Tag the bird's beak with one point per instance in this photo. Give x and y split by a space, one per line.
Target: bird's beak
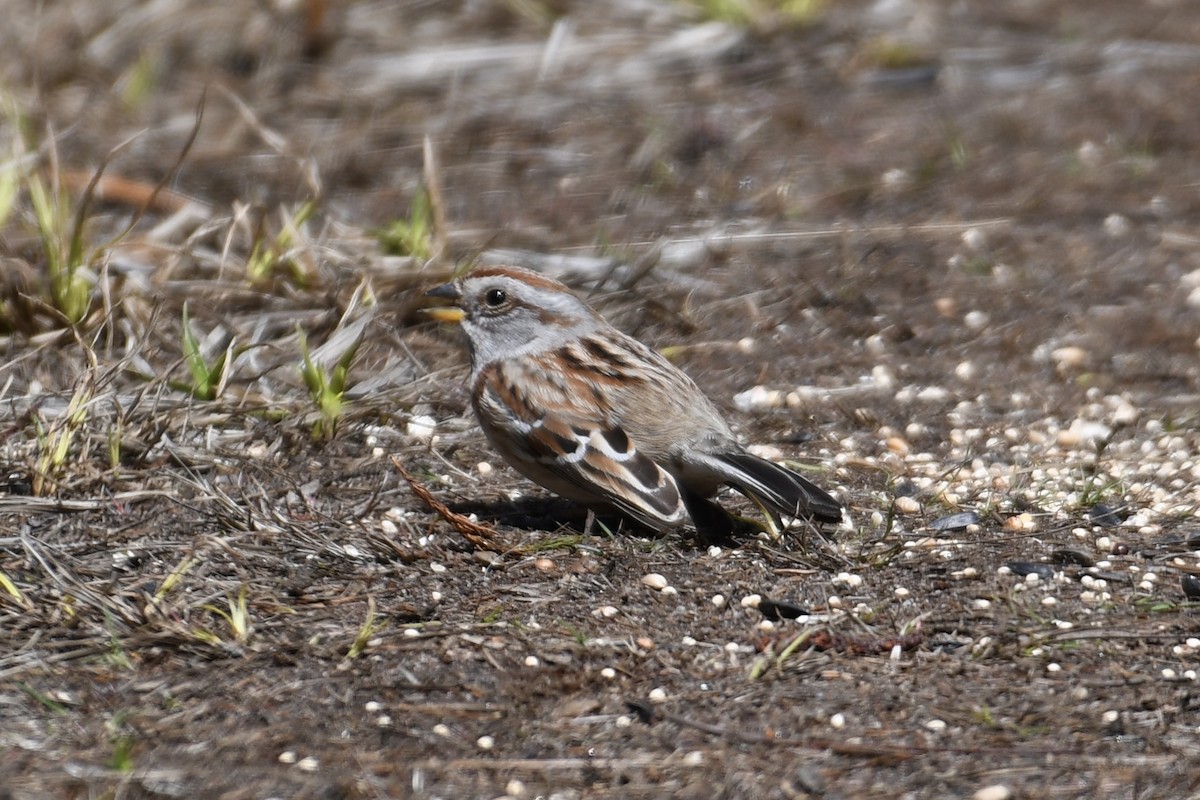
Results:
449 313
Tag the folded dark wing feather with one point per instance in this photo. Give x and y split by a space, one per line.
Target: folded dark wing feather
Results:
777 487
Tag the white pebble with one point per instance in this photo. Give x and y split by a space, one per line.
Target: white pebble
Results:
608 612
907 505
371 706
532 661
383 721
608 673
485 742
514 788
1168 673
766 625
484 468
694 758
308 764
655 581
1110 716
436 568
900 592
981 604
441 729
718 600
936 725
1049 600
658 695
714 551
1053 667
837 721
287 757
751 601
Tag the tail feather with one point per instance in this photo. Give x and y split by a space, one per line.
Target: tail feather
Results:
779 487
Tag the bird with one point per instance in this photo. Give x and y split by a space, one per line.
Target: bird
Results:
598 417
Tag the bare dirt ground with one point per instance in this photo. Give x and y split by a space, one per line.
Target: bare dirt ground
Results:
943 256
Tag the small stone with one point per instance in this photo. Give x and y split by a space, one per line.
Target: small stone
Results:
483 468
485 742
608 673
718 600
837 721
515 788
441 729
532 661
544 564
287 757
975 239
751 601
936 725
308 764
644 642
658 695
608 612
907 505
901 593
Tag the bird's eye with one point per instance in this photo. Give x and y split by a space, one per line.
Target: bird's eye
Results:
495 297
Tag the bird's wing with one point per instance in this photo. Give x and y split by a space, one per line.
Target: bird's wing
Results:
777 486
571 433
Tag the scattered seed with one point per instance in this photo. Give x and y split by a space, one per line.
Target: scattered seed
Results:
694 759
532 661
307 764
654 580
515 788
485 742
718 600
1053 667
900 592
1026 568
670 590
644 642
608 612
955 522
907 505
837 721
608 673
371 706
751 601
383 721
287 757
421 427
996 791
936 725
658 695
484 468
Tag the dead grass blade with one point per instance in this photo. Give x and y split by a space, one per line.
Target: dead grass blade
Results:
481 536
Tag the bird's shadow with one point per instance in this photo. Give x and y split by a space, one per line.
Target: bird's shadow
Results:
553 515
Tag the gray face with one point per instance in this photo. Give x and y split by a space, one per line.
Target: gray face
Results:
506 317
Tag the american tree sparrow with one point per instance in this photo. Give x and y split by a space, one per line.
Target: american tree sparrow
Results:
600 418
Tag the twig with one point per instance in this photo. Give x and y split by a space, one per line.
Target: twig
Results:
480 536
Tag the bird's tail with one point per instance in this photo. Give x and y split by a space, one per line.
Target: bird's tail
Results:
778 488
